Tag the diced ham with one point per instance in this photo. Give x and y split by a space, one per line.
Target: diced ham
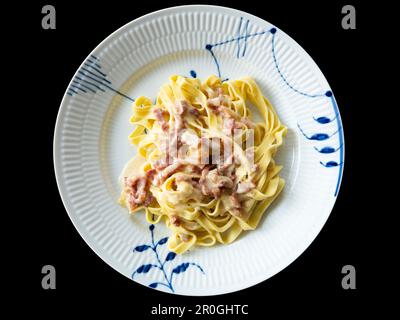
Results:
184 237
149 200
180 106
159 113
217 99
196 168
214 102
228 126
211 182
244 123
175 220
227 166
149 174
168 171
179 123
194 112
173 145
137 189
226 112
161 164
171 169
245 186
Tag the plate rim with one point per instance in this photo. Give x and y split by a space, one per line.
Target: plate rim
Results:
59 176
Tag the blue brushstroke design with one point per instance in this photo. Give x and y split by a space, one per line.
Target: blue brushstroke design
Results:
330 164
317 136
327 149
160 265
273 32
90 78
328 94
321 120
193 74
239 37
324 120
83 85
209 49
245 37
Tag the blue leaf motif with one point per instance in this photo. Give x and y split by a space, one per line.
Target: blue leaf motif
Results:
154 246
144 268
323 120
319 136
170 256
326 150
181 268
162 241
142 248
330 164
316 136
241 40
90 78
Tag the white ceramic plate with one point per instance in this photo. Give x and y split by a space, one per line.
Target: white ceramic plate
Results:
91 144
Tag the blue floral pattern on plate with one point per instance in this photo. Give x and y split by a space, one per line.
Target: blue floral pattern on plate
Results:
241 42
160 265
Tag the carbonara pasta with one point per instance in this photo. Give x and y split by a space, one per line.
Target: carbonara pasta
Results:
203 165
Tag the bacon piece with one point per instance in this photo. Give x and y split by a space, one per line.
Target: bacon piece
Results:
168 171
214 102
227 113
211 182
181 106
179 123
178 108
150 174
217 99
149 200
227 167
159 113
137 189
184 237
194 112
175 220
196 168
244 123
228 126
161 164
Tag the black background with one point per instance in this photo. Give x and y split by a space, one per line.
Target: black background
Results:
50 59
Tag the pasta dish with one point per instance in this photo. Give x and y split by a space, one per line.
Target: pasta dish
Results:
203 166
